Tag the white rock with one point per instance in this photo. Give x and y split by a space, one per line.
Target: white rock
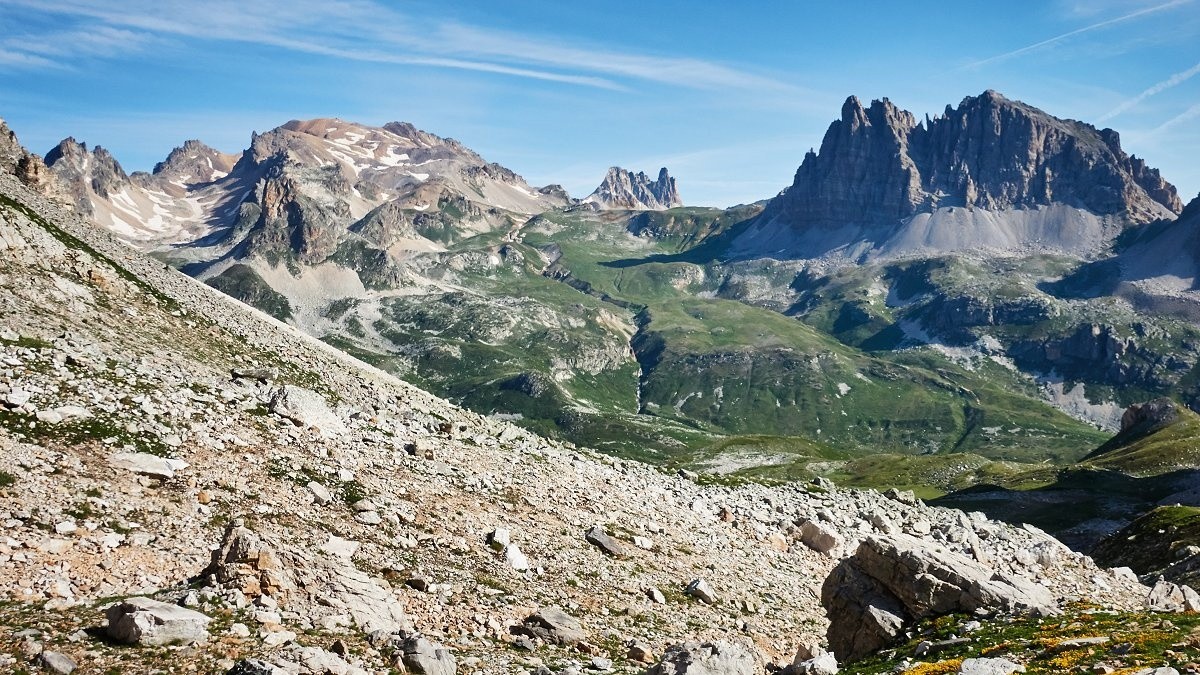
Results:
150 622
147 464
338 547
515 559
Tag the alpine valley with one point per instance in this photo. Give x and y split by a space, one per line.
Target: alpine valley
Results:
993 309
931 304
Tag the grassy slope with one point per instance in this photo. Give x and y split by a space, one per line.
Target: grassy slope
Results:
1137 640
735 368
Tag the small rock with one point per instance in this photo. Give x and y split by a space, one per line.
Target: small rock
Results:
640 653
700 590
551 624
147 464
320 492
515 558
253 667
279 638
600 539
986 666
57 663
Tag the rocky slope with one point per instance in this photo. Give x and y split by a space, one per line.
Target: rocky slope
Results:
991 173
301 512
631 191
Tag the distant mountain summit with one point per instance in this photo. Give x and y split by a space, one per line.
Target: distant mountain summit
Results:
991 173
623 189
194 163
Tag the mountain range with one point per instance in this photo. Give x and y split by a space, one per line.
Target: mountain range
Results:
190 483
993 281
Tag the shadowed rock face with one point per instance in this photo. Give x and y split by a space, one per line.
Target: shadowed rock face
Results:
623 189
878 165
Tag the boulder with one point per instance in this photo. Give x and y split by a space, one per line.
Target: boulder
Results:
422 656
306 408
1169 597
553 625
823 664
55 662
892 581
597 537
700 590
820 538
709 658
143 621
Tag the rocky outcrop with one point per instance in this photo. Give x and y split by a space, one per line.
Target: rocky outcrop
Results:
623 189
878 165
892 581
28 167
1144 418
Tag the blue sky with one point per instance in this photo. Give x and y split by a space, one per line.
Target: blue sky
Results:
729 96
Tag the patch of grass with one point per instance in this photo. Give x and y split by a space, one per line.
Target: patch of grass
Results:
1136 640
7 479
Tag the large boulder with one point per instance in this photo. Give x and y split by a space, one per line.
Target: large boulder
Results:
142 621
709 658
892 581
306 408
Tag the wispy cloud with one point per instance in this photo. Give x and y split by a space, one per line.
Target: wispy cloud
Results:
371 31
1157 88
1187 115
21 59
1079 31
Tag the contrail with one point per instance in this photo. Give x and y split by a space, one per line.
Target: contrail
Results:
1176 79
1077 31
1186 115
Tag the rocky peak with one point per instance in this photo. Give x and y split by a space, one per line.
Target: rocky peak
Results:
877 166
11 151
623 189
81 170
194 163
28 167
